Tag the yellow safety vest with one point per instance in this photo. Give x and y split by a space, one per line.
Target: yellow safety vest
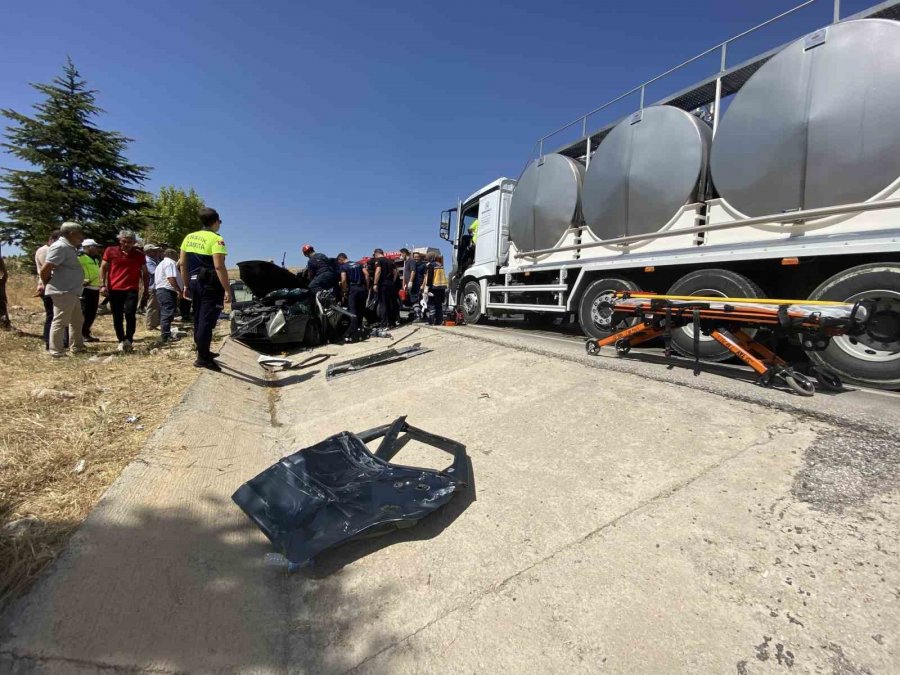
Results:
91 269
474 229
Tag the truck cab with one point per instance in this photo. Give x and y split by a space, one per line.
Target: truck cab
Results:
473 265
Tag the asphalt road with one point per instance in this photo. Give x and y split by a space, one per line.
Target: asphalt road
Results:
622 517
863 408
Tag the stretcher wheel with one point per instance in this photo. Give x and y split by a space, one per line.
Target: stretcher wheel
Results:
828 380
622 347
592 347
800 384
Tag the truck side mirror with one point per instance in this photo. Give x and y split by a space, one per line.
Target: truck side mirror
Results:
445 225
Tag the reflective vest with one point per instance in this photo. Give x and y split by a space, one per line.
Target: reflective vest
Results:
200 247
91 269
473 228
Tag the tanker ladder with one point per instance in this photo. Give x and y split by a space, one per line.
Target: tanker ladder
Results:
739 325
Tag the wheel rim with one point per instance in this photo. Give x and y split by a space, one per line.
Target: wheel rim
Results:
602 309
470 302
875 345
689 328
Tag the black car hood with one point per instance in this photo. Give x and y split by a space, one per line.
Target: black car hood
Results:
262 277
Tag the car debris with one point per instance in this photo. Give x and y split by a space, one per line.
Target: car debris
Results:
273 363
377 359
338 490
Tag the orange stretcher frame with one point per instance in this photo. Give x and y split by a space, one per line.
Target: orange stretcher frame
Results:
658 315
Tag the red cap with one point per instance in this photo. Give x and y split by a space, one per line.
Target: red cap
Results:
307 249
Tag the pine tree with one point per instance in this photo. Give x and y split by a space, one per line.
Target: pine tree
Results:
80 172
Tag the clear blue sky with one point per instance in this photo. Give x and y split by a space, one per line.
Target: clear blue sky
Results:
351 125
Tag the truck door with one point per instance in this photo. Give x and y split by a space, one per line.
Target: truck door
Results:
487 249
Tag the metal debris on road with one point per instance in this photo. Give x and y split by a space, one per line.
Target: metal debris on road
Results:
376 359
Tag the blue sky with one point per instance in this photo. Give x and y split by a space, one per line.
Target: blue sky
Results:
350 125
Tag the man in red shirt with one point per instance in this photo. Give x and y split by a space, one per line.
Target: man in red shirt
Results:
122 272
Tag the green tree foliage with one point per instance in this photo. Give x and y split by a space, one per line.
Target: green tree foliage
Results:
171 215
79 171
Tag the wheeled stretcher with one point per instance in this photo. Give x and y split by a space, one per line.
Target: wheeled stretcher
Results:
740 325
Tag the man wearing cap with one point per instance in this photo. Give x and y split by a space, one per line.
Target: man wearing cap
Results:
63 280
205 279
121 273
90 294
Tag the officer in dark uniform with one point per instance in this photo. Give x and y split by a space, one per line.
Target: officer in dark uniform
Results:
321 270
384 284
205 279
355 288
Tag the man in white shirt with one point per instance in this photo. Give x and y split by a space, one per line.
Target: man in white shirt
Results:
63 279
168 291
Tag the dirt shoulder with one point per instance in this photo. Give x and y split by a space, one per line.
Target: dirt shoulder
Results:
65 434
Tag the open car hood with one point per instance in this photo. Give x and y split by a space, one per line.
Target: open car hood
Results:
262 277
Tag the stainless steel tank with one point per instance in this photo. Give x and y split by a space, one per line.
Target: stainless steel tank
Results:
645 170
546 202
815 126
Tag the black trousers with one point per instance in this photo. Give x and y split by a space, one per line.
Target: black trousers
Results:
356 304
388 304
436 306
168 304
207 303
324 282
90 300
184 308
124 308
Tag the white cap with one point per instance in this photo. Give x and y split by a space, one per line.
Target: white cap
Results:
89 242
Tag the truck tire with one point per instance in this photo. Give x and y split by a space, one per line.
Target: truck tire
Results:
471 302
594 314
873 359
714 282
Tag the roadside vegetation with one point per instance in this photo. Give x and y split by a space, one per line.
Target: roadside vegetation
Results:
67 428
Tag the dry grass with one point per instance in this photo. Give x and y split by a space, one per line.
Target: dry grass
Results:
44 491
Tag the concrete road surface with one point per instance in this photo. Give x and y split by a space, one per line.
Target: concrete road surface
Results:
623 519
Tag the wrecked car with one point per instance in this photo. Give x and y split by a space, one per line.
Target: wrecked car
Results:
283 312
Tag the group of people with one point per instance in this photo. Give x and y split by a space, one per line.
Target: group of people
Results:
381 283
75 273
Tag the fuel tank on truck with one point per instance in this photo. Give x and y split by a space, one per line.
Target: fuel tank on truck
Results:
645 169
546 202
817 125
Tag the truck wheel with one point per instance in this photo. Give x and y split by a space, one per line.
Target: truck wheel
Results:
471 302
712 283
872 359
595 309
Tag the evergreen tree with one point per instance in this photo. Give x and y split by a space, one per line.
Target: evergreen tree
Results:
80 172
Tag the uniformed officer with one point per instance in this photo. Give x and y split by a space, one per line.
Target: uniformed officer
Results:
355 287
321 270
205 279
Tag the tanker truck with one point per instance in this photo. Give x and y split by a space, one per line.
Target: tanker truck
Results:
778 177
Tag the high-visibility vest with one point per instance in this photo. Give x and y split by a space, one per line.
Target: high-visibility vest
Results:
473 228
91 269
